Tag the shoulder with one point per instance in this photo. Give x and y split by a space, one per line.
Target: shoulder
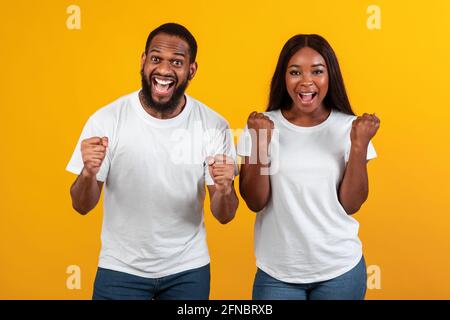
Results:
272 114
211 118
341 118
111 113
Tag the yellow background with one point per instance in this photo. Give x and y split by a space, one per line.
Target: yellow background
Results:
53 78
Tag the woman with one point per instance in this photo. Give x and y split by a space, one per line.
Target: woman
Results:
304 172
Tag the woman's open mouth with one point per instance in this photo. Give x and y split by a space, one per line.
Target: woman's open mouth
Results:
307 97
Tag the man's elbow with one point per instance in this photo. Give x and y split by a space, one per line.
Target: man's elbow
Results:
225 220
228 217
81 210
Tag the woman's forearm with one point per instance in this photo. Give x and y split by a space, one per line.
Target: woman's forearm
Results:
354 188
254 186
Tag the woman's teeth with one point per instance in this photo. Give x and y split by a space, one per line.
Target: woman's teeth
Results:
307 96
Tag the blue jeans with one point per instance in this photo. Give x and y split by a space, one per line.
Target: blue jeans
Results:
187 285
349 286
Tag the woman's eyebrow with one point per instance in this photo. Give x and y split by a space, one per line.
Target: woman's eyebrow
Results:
314 65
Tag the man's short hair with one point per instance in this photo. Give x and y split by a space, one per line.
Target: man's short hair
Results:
177 30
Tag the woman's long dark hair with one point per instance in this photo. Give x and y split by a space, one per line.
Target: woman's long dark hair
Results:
336 97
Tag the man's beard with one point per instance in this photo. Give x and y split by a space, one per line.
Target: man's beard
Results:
166 107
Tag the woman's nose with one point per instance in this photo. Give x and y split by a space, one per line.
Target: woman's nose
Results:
306 82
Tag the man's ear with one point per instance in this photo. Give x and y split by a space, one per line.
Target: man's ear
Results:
143 58
192 70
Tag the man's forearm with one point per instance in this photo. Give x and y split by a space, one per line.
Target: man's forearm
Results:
224 204
85 193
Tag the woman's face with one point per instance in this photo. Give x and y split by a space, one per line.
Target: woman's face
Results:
307 80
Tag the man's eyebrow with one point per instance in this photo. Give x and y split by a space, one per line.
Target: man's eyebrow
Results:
179 53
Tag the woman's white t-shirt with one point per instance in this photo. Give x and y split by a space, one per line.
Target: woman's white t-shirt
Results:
304 235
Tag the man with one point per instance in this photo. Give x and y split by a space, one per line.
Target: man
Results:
153 150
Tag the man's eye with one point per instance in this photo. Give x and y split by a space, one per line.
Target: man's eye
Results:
154 59
177 63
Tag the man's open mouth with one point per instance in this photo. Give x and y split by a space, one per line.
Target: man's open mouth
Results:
162 85
307 97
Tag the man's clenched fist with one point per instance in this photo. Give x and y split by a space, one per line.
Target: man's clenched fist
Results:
93 151
221 169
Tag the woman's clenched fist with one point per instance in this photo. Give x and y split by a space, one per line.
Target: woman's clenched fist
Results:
364 129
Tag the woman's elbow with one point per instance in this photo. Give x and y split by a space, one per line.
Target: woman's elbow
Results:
255 205
353 208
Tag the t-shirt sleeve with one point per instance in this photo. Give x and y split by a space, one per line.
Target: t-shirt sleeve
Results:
371 153
221 141
244 145
91 129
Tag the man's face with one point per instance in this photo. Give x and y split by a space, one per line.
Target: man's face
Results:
165 72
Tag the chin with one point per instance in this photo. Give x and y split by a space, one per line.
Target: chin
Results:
307 108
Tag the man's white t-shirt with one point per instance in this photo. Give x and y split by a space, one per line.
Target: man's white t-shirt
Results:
304 235
155 173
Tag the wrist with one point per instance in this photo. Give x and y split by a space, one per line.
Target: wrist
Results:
359 147
85 174
260 156
225 190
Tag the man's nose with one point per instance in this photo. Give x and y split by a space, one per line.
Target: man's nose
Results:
164 68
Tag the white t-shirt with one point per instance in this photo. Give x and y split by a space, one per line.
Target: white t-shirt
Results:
304 235
155 172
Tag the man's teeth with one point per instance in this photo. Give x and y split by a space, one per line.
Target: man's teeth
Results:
163 82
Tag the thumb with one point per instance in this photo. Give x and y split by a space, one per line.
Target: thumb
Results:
105 141
211 167
211 160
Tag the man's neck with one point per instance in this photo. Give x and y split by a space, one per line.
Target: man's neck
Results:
162 114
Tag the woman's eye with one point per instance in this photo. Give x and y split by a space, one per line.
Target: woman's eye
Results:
317 71
294 73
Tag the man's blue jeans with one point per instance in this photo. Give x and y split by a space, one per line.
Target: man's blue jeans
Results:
187 285
349 286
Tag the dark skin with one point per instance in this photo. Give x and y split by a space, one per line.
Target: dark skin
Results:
307 84
169 57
